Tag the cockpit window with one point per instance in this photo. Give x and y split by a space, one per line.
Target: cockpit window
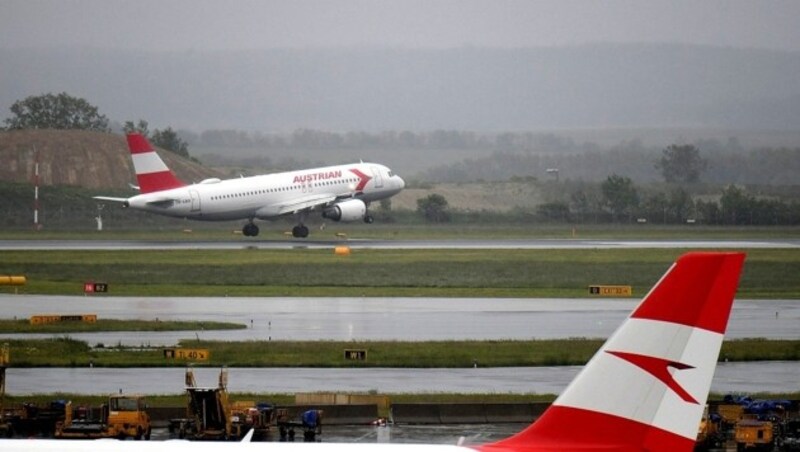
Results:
390 173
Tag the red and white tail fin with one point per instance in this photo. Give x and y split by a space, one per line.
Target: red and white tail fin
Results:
151 172
645 389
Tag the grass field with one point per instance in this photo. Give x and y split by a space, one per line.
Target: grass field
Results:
768 273
10 326
65 352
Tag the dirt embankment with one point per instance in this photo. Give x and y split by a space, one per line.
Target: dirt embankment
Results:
81 158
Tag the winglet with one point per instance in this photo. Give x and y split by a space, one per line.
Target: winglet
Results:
151 172
645 389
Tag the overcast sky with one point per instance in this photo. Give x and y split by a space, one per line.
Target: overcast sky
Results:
253 24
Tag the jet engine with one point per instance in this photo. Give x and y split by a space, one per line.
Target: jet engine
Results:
351 210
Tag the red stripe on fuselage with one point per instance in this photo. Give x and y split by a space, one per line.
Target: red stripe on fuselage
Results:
163 180
363 179
565 429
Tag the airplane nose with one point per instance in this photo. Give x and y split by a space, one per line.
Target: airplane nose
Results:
401 184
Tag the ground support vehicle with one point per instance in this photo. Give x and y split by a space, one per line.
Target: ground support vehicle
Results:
210 415
124 416
789 439
754 435
310 423
710 434
30 420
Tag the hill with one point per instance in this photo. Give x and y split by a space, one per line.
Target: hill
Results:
80 158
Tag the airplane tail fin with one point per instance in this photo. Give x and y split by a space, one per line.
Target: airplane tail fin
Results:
151 172
645 389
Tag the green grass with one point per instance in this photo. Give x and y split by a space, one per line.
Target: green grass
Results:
768 273
65 352
9 326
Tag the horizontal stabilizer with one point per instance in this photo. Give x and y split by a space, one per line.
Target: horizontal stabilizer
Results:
109 198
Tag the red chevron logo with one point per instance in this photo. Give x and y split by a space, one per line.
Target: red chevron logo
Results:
363 179
659 368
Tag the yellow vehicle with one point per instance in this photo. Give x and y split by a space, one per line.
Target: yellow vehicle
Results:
709 433
123 417
730 413
752 434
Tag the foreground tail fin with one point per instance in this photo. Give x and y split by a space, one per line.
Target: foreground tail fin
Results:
645 389
151 172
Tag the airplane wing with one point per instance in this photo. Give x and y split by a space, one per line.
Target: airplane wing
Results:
306 202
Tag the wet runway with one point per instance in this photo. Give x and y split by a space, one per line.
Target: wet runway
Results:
773 376
393 244
403 319
374 319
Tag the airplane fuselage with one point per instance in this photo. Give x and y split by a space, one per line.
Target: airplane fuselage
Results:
272 195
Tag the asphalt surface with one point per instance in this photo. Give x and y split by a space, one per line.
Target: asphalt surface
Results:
393 244
402 319
747 378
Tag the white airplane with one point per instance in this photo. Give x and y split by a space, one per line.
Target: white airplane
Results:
644 390
340 193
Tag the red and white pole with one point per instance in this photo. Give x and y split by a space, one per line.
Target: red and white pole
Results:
36 225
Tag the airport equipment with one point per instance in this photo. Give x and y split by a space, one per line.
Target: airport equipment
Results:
310 423
124 416
790 436
710 434
755 435
31 419
210 415
5 428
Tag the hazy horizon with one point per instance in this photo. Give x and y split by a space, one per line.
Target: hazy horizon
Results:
262 24
410 65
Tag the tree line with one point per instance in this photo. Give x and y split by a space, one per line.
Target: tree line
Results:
616 199
65 112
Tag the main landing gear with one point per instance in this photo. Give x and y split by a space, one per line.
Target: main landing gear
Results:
300 231
250 230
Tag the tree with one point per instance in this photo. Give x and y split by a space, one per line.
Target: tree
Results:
680 204
708 212
168 139
656 208
620 195
736 205
140 127
433 208
681 164
554 212
56 111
